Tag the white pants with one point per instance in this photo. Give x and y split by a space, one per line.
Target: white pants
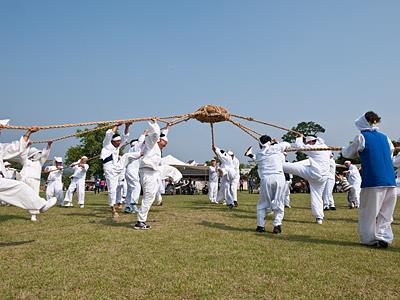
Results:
112 185
34 183
327 195
19 194
286 194
317 186
234 188
121 191
271 198
225 191
376 214
354 196
55 189
79 186
213 191
150 181
133 188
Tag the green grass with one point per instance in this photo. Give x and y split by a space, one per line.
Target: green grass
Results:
193 251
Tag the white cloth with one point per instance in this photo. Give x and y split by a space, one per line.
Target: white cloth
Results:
152 154
327 195
79 171
55 174
236 180
225 189
270 160
271 198
78 185
10 173
149 179
15 192
354 178
212 184
376 214
31 172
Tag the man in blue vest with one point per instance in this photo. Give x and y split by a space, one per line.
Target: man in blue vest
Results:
378 186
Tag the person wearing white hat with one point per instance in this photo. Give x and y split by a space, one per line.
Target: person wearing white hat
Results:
354 179
213 182
32 160
10 173
15 192
316 173
270 159
54 180
235 181
132 175
78 178
227 174
112 165
149 171
378 186
327 196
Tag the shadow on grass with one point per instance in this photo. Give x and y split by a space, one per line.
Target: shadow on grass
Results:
5 218
310 239
222 226
11 244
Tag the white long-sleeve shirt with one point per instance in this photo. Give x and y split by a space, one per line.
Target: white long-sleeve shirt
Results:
213 174
109 149
270 159
55 174
136 148
79 171
151 153
32 167
354 176
319 160
11 150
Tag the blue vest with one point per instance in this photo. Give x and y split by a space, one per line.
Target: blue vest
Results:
376 161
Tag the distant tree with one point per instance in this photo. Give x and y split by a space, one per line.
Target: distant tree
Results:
90 145
306 128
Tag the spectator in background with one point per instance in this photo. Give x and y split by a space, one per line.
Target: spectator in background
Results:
251 185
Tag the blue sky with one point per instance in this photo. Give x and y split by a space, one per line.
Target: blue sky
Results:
279 61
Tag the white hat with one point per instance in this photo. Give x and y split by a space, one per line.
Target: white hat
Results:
7 164
84 157
347 162
310 138
230 152
58 159
164 138
33 151
117 138
4 122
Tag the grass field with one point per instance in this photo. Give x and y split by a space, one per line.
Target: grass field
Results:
193 251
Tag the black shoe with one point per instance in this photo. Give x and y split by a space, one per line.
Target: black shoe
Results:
288 206
277 229
332 208
141 226
235 203
383 244
326 208
260 229
230 206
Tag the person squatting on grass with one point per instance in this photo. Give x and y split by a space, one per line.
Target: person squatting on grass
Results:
18 193
378 187
317 173
270 159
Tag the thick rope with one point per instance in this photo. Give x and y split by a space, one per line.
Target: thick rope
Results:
244 129
45 127
264 123
212 134
314 149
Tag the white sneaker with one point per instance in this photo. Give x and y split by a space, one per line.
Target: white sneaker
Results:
68 204
49 203
33 218
81 205
319 221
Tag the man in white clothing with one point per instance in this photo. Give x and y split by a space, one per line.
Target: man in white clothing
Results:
149 171
316 173
112 165
270 160
378 186
235 181
32 161
9 173
15 192
77 183
329 201
354 179
227 174
54 180
213 182
132 176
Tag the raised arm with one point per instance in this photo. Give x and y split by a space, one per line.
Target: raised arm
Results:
356 146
